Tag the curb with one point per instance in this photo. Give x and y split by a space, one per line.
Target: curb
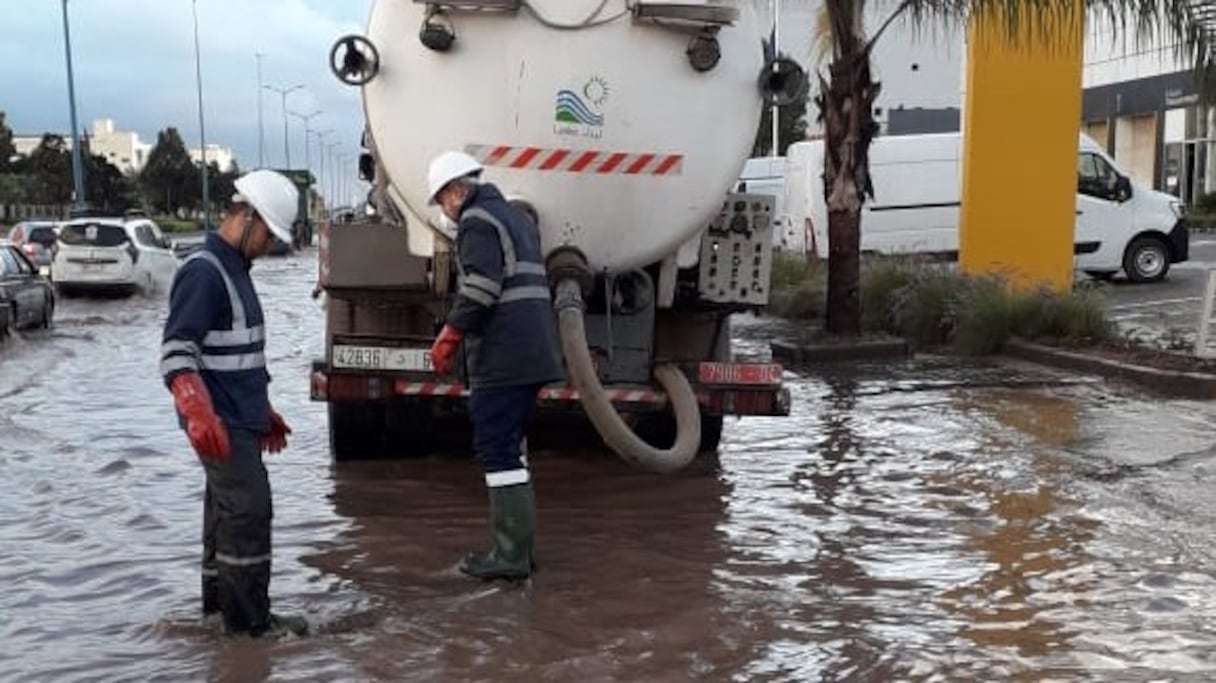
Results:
839 352
1171 383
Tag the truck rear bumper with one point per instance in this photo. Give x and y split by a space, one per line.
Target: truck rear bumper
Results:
722 388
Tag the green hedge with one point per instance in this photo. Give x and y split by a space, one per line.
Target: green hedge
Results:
932 305
173 225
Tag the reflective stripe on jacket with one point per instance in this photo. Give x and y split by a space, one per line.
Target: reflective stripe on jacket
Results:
216 328
503 302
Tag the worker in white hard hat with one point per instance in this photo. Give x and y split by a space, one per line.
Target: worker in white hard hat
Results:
503 314
213 361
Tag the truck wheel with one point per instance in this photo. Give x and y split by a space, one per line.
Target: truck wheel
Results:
659 430
410 429
1147 260
356 430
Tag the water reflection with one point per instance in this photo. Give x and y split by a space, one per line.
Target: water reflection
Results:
624 563
928 520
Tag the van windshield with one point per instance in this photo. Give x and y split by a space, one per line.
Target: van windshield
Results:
93 235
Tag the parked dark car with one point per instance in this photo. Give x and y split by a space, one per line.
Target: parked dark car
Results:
26 295
36 239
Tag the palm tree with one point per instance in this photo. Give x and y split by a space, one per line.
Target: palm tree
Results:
847 92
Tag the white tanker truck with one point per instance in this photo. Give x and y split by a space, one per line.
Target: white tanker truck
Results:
619 126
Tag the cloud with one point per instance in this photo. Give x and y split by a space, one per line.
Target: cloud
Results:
134 63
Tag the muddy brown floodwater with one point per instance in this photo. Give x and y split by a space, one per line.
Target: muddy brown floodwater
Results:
922 521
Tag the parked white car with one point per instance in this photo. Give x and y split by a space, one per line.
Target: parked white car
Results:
112 255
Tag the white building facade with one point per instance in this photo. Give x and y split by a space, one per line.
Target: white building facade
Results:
1142 103
125 150
222 157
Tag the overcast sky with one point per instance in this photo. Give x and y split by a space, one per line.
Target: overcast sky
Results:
134 63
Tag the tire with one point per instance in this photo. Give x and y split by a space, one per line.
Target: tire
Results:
48 314
356 431
1147 259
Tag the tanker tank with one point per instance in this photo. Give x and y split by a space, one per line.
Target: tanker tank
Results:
592 113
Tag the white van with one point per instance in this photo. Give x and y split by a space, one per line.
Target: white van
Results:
1121 226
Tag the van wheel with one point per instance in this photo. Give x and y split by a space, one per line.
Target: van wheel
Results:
1147 259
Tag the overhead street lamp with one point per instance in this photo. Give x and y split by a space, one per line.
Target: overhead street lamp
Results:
78 198
284 92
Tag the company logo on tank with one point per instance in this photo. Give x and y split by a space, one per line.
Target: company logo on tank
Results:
579 110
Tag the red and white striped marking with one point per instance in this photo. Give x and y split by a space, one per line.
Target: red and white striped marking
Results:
614 395
591 162
404 388
430 389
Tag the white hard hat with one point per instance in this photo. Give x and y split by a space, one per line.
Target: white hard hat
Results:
448 167
273 196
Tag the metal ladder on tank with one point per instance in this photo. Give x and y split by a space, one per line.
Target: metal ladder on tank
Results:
1207 317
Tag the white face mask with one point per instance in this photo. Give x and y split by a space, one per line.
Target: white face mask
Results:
445 225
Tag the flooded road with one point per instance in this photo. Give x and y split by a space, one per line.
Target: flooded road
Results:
907 522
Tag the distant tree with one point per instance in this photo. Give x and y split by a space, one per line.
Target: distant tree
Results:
13 189
49 172
7 149
107 187
222 184
170 179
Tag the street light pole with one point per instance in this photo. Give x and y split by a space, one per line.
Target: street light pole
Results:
202 128
261 132
77 164
333 173
776 112
306 118
321 153
286 147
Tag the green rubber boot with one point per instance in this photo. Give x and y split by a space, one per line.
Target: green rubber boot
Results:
512 527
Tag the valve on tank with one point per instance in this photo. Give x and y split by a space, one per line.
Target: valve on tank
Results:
703 51
437 32
360 60
781 82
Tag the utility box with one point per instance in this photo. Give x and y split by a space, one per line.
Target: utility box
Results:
370 256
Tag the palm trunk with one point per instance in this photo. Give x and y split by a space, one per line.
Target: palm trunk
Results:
846 105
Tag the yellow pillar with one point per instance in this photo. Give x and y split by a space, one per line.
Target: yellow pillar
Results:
1021 125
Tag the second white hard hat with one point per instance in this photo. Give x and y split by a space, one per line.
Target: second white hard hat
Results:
447 167
273 196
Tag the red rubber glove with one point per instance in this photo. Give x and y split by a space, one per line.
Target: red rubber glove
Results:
207 433
444 348
276 439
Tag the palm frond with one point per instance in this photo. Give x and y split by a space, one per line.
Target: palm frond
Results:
823 40
1186 29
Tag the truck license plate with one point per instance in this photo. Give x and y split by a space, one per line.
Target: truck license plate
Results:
382 358
756 374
